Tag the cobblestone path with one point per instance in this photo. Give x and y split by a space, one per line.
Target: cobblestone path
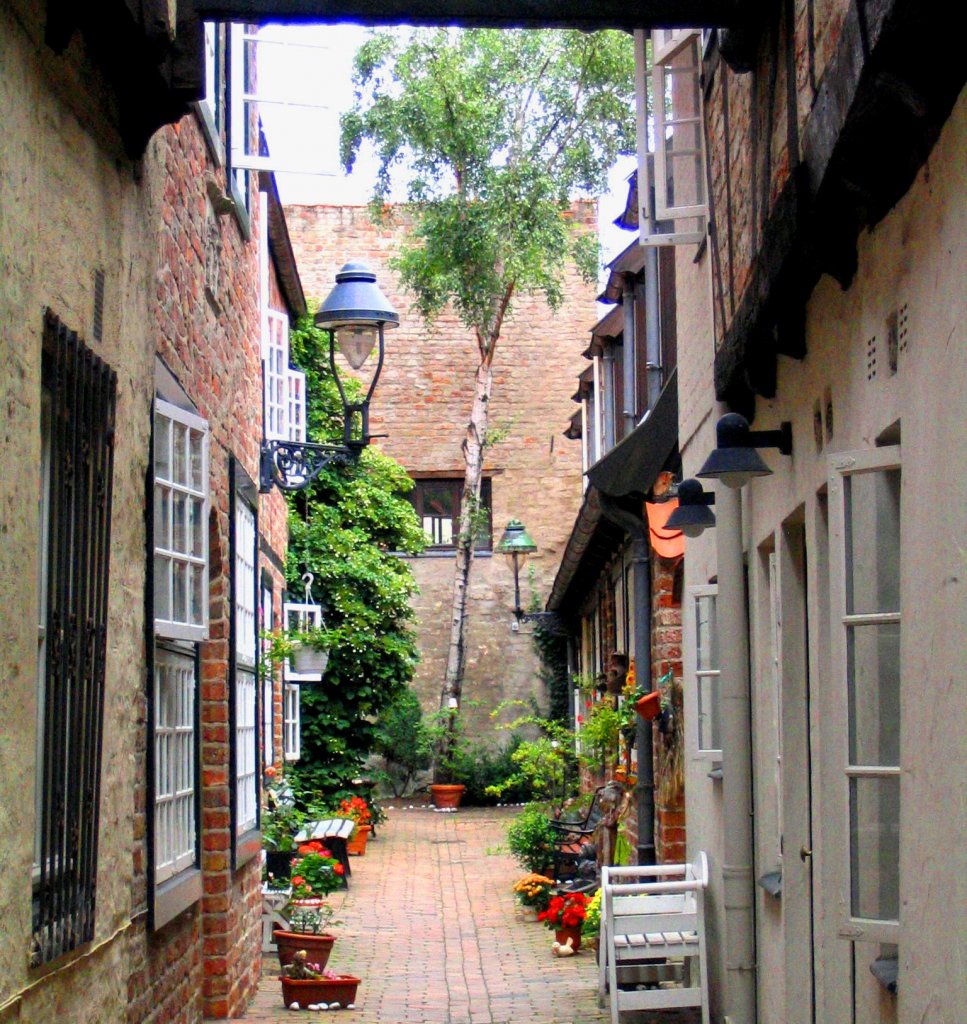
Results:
429 925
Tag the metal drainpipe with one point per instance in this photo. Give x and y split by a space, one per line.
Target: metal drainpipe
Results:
732 629
641 570
629 345
609 424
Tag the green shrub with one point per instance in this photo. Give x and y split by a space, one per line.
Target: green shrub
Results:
403 741
488 773
531 839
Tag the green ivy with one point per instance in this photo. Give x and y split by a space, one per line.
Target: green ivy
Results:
344 529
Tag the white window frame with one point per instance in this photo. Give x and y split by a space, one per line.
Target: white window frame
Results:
703 676
192 489
245 695
652 162
175 758
291 722
268 678
275 367
841 466
248 101
211 106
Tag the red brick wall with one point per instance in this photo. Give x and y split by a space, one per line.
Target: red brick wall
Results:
666 655
423 403
207 960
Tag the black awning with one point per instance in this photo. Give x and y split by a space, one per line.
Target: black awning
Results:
632 465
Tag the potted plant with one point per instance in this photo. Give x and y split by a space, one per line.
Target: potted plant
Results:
281 821
531 839
565 915
315 874
649 706
357 809
307 985
601 730
307 930
447 735
591 926
310 653
532 894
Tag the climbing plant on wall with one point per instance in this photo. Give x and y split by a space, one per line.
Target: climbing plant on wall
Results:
344 529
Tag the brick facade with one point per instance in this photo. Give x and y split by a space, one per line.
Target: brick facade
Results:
423 403
208 325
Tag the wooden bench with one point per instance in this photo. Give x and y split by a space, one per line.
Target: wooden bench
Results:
653 916
334 832
574 836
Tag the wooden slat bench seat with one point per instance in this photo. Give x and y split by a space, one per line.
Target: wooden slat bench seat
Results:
653 914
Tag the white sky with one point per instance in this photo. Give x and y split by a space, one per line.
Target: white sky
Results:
313 74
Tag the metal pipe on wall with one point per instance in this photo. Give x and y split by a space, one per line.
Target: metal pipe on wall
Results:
732 630
629 352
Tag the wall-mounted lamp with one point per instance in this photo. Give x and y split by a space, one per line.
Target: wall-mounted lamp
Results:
516 544
355 314
693 515
735 460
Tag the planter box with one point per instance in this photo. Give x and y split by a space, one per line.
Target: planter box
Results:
341 990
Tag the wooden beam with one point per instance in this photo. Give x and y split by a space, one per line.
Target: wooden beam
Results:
580 14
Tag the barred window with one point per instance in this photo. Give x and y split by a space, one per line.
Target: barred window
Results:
77 427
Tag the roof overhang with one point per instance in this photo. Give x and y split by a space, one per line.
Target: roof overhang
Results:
488 13
624 475
280 246
632 465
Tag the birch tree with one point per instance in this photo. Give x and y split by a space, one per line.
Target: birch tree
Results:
497 132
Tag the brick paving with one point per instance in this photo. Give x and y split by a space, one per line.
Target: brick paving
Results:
429 925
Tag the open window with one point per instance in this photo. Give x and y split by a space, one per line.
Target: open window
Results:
864 490
671 153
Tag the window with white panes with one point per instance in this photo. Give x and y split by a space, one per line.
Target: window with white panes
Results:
268 682
175 794
181 578
706 669
291 722
296 408
245 634
675 133
865 568
180 523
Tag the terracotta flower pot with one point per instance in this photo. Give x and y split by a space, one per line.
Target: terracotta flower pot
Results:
446 796
341 990
574 934
318 947
357 845
649 706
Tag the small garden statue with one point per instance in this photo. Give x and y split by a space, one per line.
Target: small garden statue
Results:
300 969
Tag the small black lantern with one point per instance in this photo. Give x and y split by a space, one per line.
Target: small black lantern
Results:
735 460
355 314
693 515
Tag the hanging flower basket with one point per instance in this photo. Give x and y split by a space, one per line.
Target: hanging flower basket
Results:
649 706
309 661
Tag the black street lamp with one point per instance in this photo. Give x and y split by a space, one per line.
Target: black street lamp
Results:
735 460
355 314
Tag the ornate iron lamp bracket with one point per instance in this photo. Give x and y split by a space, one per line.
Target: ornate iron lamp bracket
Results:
293 465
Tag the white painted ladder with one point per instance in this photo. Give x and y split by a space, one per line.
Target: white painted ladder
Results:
653 915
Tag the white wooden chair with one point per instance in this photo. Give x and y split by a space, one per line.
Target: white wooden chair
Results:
653 915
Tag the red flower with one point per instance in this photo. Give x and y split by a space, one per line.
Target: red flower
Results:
271 771
579 719
339 869
298 880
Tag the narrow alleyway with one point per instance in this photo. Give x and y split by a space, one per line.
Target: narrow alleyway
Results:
429 925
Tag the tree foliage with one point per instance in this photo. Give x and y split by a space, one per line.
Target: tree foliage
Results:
343 530
499 132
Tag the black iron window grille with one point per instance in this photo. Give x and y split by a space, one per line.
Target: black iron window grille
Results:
80 393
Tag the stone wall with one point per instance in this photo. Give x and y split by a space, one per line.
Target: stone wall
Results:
423 403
